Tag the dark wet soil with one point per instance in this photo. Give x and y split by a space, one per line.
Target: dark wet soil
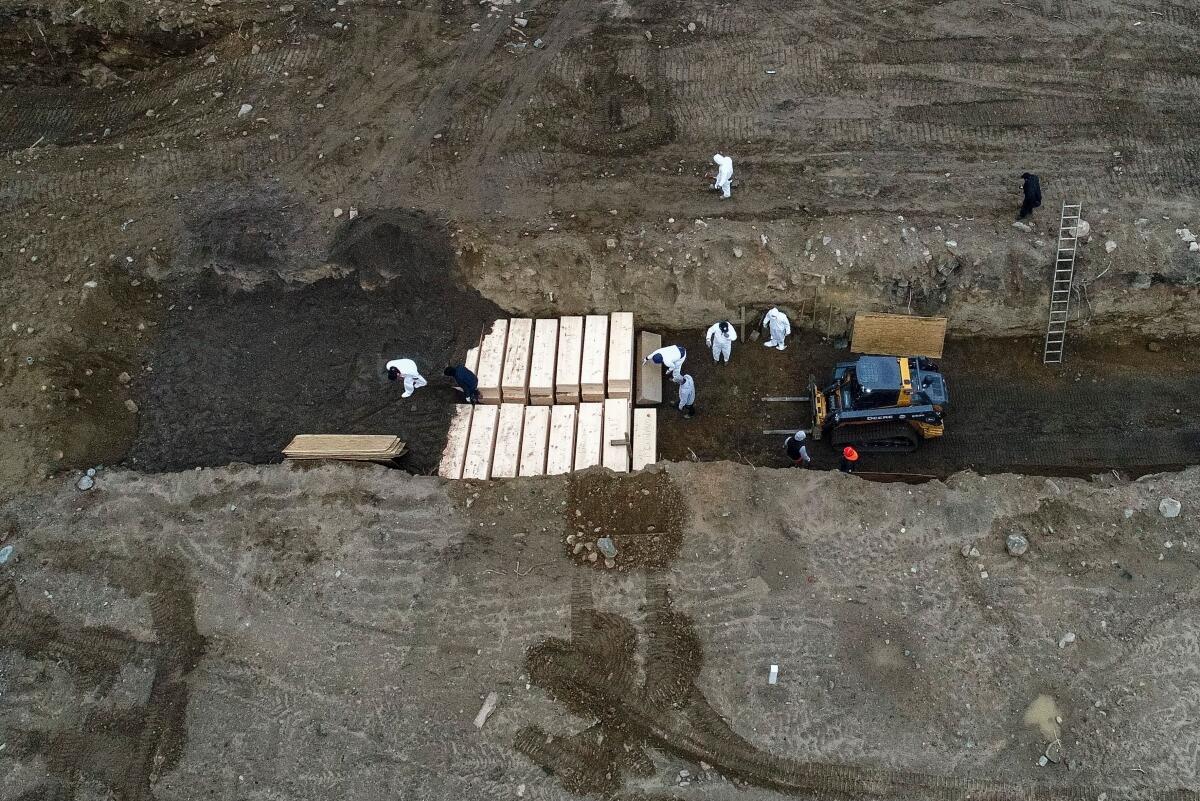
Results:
1111 406
237 374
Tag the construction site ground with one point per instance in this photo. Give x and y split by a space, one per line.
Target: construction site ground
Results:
219 219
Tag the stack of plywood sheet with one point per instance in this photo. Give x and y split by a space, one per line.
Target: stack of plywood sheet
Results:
620 355
560 448
570 358
645 438
616 434
506 456
535 441
345 447
589 432
650 375
481 443
514 381
543 362
491 362
592 386
454 456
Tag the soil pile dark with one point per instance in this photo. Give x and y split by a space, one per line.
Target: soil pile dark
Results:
237 374
641 513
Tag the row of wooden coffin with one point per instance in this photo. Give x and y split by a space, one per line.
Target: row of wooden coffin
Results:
512 440
563 360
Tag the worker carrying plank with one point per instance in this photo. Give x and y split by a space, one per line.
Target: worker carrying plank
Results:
467 382
671 358
720 338
778 325
406 369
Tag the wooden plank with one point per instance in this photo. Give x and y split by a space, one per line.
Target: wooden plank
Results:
570 359
898 335
454 455
535 440
560 453
491 362
471 362
595 358
645 438
514 381
542 362
588 433
616 439
482 441
343 446
650 375
506 456
620 355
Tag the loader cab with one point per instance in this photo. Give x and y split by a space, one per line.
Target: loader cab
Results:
873 382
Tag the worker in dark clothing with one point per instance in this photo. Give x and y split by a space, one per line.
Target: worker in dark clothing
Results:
849 460
797 449
468 384
1033 194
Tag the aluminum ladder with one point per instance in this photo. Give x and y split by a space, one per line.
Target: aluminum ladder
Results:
1060 287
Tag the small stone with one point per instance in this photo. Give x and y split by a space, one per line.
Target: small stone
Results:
950 243
131 406
1023 227
5 553
538 44
683 774
353 212
649 36
1186 235
245 109
691 27
1054 752
91 284
1042 761
704 765
521 22
607 547
1016 544
578 549
338 212
1067 639
1154 346
571 538
124 378
85 483
610 563
208 62
969 551
1082 229
91 471
1110 246
610 243
1194 247
1169 507
593 556
737 253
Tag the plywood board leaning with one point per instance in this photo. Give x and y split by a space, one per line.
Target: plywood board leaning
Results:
570 359
650 375
542 362
491 362
506 456
898 335
588 433
454 455
481 442
514 381
560 453
616 434
595 358
535 440
620 355
645 438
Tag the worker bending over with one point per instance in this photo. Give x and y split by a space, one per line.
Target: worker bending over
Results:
720 338
687 395
724 174
468 384
671 357
406 369
797 449
779 326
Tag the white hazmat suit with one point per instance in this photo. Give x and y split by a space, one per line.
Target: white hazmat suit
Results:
671 357
779 326
724 174
720 341
413 379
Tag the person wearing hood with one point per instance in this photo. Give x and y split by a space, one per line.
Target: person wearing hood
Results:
687 395
724 174
671 357
797 449
1033 194
720 338
406 369
778 325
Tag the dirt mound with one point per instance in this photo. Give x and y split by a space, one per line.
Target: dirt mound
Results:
237 374
641 513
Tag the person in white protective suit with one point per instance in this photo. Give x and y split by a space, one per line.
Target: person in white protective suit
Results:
724 174
406 369
779 326
671 357
720 338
